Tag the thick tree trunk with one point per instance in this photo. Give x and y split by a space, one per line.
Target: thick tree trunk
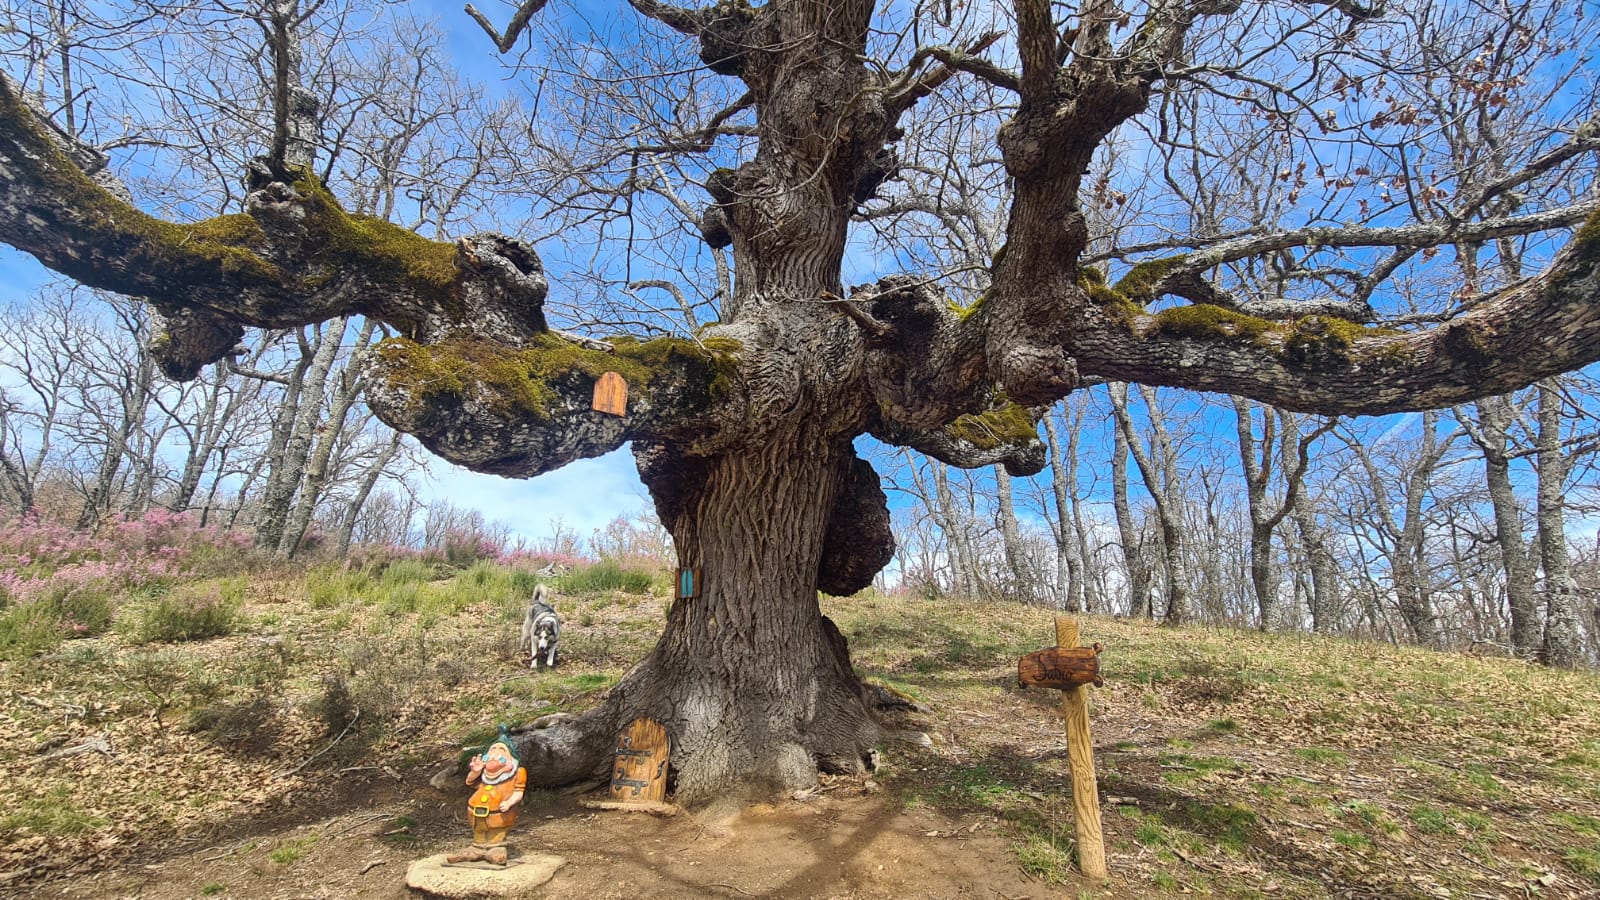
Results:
752 682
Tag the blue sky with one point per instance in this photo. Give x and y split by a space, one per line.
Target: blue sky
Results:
578 498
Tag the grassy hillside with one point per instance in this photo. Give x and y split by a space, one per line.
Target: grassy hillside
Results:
1233 764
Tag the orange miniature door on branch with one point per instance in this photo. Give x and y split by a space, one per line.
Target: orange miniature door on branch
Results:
611 394
1061 667
639 773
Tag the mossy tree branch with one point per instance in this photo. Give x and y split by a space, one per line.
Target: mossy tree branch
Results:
293 258
1540 327
523 411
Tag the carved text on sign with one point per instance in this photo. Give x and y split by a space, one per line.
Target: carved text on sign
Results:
1061 667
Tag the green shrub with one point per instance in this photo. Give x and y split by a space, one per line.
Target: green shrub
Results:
404 597
83 612
406 572
523 582
332 586
28 630
605 576
63 610
486 582
191 613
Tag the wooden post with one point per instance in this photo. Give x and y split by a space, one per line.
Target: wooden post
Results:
1080 749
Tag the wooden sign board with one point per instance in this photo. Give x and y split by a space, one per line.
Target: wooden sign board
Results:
611 394
688 585
639 774
1061 667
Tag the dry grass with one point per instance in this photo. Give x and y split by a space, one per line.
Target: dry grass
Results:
1241 764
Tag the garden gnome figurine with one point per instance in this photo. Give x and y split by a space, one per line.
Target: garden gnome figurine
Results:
500 780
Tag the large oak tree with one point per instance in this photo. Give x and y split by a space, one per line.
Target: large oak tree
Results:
744 432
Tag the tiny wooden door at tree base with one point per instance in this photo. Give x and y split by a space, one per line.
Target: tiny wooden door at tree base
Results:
640 771
611 394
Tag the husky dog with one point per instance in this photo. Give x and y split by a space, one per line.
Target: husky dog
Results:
541 629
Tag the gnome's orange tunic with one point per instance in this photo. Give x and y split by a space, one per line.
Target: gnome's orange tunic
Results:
483 810
492 810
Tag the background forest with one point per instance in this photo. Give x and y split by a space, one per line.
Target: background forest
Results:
1462 528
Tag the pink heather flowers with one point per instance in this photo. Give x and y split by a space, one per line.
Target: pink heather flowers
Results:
41 557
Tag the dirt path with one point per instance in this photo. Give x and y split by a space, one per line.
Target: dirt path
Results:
844 843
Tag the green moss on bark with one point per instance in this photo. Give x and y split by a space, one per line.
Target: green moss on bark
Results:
532 382
1324 342
1093 282
1006 425
386 251
1210 323
965 312
196 253
1139 285
1587 237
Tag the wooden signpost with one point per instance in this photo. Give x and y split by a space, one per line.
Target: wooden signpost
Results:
1072 669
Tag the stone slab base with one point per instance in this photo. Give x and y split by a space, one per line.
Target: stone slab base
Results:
434 877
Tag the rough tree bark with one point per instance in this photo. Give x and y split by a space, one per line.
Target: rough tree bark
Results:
743 436
1491 434
1157 468
1563 633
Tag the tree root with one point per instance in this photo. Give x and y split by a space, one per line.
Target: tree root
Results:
717 750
